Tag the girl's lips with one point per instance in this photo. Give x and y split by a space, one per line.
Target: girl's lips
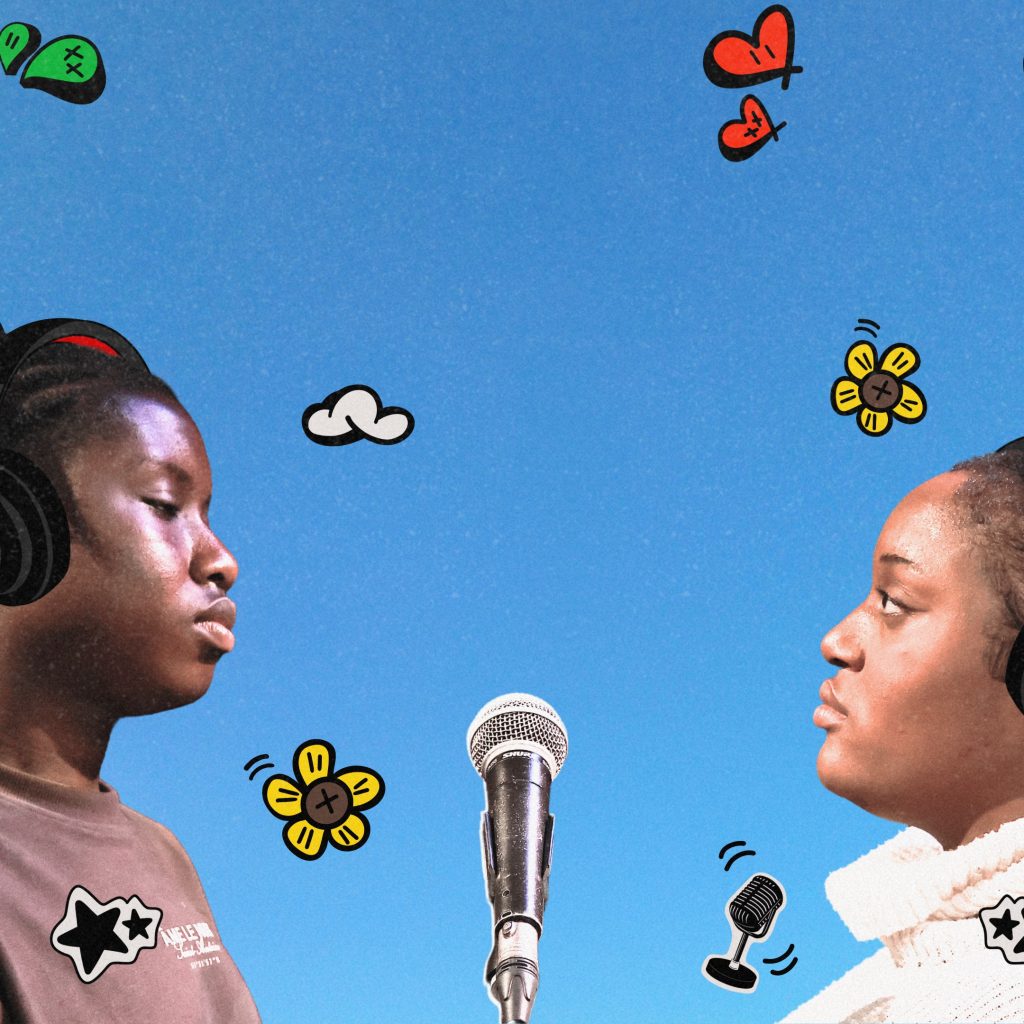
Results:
830 712
220 636
827 717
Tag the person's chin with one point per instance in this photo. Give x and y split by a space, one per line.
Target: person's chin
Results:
834 769
184 688
189 689
844 776
209 655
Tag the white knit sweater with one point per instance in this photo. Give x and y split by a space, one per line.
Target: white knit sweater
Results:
923 903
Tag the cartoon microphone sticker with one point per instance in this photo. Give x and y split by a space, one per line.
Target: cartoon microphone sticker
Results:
752 912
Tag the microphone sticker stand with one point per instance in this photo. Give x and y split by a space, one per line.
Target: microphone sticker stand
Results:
752 913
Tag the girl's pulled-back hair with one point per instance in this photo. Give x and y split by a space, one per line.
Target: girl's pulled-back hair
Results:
991 500
64 395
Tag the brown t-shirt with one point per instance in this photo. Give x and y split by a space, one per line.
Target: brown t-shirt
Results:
56 842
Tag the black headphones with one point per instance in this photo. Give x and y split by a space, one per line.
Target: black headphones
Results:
35 545
1015 665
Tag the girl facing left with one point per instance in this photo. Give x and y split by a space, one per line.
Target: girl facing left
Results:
106 474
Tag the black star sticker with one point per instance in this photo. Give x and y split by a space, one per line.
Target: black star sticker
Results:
1004 925
138 925
93 934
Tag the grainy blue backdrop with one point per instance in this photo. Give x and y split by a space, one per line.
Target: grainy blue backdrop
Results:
626 491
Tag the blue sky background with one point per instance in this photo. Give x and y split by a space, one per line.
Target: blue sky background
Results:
626 491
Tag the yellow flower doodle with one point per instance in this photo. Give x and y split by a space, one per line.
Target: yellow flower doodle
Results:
320 805
878 392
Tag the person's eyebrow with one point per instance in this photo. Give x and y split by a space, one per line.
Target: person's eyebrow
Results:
178 472
171 467
900 559
891 558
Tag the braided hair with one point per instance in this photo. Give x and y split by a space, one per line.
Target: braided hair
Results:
64 395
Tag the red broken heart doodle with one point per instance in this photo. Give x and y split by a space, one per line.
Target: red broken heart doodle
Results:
740 140
734 60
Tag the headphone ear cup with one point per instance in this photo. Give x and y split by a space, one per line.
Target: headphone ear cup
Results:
35 544
1015 671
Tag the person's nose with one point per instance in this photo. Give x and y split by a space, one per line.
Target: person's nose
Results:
213 561
842 645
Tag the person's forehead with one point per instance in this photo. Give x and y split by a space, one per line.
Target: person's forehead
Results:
156 421
925 529
149 431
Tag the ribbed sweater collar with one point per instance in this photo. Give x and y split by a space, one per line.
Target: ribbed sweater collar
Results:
101 805
910 880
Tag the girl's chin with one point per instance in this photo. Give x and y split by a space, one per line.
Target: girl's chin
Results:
835 771
185 689
861 787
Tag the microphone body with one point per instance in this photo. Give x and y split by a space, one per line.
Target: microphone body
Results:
518 745
516 832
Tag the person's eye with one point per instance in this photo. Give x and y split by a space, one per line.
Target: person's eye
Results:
166 508
890 606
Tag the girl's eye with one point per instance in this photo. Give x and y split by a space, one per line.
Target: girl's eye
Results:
890 606
165 508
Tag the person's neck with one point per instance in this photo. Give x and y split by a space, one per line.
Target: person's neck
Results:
952 834
53 738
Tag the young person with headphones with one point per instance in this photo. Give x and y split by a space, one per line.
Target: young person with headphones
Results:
923 725
113 602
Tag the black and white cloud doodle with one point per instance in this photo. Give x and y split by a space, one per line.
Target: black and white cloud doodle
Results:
354 413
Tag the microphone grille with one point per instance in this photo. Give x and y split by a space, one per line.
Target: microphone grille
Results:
757 903
518 721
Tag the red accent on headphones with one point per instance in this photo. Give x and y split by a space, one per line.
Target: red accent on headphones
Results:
86 342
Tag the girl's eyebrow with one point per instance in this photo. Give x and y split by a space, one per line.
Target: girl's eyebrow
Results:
916 575
177 471
171 467
898 559
914 571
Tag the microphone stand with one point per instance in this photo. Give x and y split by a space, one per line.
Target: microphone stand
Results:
734 963
731 972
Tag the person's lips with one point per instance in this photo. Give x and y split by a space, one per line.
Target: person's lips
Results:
216 622
831 711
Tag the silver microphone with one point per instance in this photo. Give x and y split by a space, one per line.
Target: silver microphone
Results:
518 744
